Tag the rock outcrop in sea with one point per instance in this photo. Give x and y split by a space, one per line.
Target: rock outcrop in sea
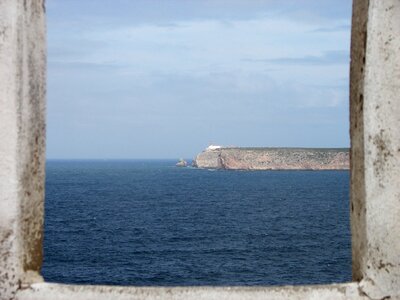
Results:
181 163
237 158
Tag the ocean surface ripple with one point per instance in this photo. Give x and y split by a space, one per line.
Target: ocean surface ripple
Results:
149 223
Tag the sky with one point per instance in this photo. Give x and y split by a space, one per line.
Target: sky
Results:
143 79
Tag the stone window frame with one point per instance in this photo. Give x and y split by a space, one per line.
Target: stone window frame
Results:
375 166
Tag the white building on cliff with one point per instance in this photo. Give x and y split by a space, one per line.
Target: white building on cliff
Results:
213 147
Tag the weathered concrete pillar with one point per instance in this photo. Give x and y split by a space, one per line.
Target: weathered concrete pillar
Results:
22 141
375 134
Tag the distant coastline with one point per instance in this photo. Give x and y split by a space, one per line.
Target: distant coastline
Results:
273 158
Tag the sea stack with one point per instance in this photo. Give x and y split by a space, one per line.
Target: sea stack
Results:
182 163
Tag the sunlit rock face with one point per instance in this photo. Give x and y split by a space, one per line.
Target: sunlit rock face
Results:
274 159
210 159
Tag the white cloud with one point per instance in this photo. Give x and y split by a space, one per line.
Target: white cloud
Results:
188 73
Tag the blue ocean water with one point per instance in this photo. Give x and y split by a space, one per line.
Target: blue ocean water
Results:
151 223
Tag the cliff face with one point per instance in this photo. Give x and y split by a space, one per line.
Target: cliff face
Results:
273 159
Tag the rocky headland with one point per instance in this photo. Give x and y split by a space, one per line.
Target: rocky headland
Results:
235 158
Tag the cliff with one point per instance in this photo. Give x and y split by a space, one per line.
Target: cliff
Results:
274 159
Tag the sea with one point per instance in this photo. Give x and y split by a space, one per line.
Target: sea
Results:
150 223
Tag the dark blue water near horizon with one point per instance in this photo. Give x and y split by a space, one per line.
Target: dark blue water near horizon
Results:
149 223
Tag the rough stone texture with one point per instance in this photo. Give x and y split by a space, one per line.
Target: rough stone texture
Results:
357 192
46 291
375 133
273 159
22 129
